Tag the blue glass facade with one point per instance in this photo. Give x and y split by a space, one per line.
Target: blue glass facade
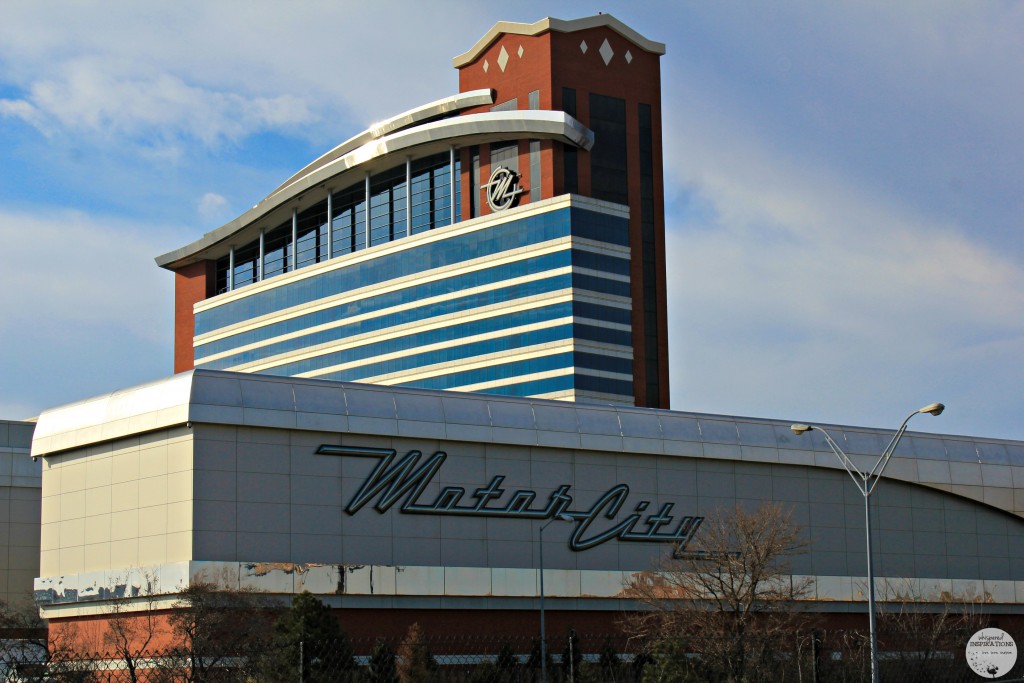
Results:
518 307
309 237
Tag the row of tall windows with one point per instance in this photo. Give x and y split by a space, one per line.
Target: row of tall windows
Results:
649 245
405 200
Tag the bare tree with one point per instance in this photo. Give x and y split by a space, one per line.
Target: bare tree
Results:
925 632
729 598
125 637
23 639
219 634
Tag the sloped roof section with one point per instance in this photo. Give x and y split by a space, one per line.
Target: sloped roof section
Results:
560 25
447 105
462 130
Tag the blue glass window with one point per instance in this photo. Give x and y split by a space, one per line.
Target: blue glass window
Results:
387 206
453 353
427 290
497 372
494 240
312 235
452 333
383 322
497 239
349 219
277 250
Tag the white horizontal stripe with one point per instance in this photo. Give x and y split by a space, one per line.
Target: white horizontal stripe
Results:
518 379
462 268
497 334
600 274
604 349
603 248
476 363
601 299
396 309
399 245
621 327
493 311
603 374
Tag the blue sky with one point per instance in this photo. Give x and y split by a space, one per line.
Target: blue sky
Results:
843 181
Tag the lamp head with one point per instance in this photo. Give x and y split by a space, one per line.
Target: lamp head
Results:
801 429
933 408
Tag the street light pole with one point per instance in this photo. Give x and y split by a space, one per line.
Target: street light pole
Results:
563 517
866 483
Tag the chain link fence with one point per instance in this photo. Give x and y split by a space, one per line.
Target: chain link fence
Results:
814 657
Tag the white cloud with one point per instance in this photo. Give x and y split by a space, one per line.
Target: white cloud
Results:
213 207
210 72
97 97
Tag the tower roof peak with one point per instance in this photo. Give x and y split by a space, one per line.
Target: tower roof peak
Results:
560 25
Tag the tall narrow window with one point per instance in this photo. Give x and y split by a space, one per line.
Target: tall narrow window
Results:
312 234
474 182
647 228
608 178
387 206
431 193
246 269
457 174
277 250
349 207
222 274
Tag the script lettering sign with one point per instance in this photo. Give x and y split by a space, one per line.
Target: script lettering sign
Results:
502 188
402 482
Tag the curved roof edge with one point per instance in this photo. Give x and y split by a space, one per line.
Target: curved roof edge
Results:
560 25
535 123
473 98
253 400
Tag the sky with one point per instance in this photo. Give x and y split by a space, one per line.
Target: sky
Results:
844 184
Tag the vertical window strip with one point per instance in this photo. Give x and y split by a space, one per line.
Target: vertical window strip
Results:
535 184
295 241
366 204
259 272
647 227
408 196
330 224
474 182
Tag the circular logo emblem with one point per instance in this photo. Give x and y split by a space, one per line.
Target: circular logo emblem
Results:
502 189
991 653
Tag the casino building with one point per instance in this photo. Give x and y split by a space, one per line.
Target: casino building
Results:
365 366
397 505
508 239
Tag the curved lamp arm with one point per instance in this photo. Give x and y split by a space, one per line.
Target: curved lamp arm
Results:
931 409
859 478
868 480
